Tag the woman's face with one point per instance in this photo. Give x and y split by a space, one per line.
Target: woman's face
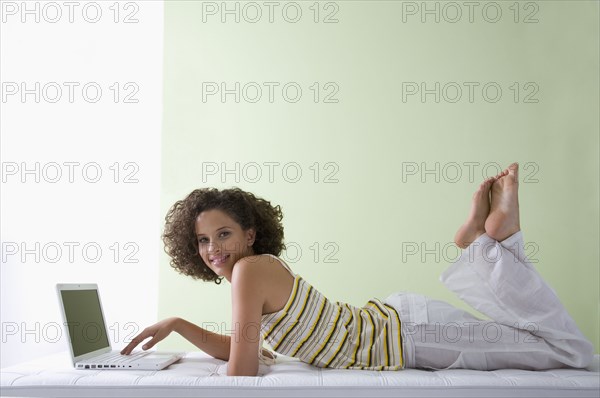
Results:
222 242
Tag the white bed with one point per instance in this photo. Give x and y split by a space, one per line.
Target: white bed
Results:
200 375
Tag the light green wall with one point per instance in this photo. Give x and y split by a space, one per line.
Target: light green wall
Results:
371 213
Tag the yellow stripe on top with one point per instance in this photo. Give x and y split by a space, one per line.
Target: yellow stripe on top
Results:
385 338
333 328
398 331
283 312
357 339
327 334
310 330
296 321
344 339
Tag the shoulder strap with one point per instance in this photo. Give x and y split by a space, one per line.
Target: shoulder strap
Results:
284 264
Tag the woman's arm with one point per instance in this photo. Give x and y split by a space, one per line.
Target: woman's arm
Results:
213 344
248 292
248 288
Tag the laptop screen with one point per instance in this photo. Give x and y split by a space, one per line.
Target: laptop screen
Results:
86 325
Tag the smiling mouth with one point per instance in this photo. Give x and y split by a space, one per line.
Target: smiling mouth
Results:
219 260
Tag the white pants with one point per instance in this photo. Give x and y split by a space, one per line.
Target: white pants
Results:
529 326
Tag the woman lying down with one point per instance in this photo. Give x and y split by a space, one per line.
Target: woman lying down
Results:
233 235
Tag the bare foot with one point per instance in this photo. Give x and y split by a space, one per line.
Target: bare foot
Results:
475 224
503 220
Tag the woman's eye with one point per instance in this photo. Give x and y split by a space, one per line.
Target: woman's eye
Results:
222 234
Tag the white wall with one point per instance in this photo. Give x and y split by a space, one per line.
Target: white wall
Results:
56 216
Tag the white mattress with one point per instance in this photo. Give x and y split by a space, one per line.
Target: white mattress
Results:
200 375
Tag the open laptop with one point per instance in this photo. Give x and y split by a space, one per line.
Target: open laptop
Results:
88 337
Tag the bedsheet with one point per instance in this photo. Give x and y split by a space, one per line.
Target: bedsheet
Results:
201 375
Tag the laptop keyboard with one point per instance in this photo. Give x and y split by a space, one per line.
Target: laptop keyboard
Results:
116 358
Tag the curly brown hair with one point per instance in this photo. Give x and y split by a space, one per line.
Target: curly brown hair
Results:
246 209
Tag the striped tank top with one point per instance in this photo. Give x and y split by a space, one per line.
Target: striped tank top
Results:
334 335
